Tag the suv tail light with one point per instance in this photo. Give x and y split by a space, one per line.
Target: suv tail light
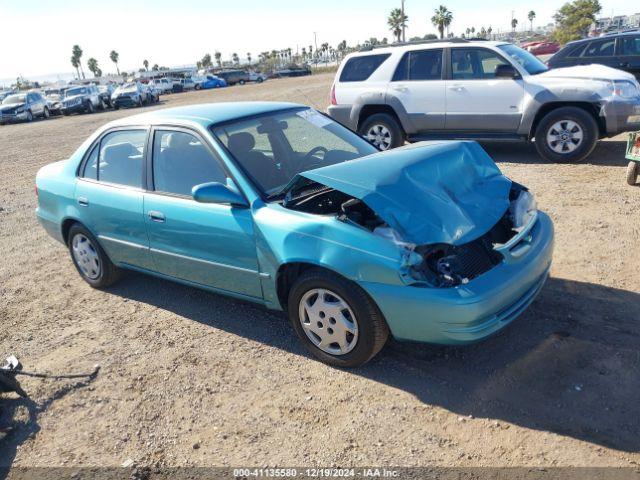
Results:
333 95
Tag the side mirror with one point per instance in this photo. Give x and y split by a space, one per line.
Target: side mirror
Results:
506 71
215 192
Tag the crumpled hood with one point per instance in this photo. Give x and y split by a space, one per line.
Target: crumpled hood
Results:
588 72
429 192
10 106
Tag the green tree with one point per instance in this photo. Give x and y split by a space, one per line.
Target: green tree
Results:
155 67
115 56
206 61
92 65
235 58
531 15
514 24
218 57
75 63
441 19
249 57
396 22
76 51
145 62
574 19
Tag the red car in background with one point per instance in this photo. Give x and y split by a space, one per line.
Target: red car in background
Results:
544 48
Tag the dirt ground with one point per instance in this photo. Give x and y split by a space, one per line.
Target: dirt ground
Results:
191 378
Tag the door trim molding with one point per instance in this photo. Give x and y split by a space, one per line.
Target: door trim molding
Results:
201 260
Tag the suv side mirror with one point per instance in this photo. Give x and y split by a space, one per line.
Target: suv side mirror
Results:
215 192
506 71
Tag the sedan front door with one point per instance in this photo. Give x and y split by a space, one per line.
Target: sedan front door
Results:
478 101
206 244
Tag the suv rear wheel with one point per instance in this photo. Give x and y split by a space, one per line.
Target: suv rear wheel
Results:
567 134
382 130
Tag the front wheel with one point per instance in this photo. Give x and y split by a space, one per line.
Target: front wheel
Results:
45 113
383 131
335 319
29 116
89 258
90 108
567 134
632 172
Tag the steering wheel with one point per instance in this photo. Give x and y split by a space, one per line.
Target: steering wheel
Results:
309 161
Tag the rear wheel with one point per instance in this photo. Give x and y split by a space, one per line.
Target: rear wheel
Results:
335 319
567 134
632 172
45 113
89 258
29 116
383 131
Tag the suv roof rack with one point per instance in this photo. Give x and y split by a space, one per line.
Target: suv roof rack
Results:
421 42
618 32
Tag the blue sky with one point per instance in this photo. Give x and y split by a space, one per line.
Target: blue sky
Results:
177 32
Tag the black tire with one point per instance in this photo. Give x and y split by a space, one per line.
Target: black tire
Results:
241 82
388 122
89 107
260 80
197 87
632 172
139 104
116 106
45 113
585 121
109 273
372 327
29 116
103 105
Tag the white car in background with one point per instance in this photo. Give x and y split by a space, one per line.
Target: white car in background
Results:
257 77
162 85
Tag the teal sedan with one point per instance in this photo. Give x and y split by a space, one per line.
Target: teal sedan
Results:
278 204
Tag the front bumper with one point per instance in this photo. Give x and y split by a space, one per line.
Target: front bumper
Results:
124 102
622 116
13 117
79 108
471 312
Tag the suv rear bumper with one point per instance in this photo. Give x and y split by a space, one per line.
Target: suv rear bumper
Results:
622 116
342 114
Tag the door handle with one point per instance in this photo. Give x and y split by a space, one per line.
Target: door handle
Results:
156 216
82 201
400 88
456 88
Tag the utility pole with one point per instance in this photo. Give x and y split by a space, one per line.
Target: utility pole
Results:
315 41
402 10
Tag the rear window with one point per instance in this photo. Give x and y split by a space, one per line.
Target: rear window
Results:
630 45
600 48
420 65
358 69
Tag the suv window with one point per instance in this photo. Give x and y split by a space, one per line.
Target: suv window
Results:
600 48
630 45
577 50
121 157
91 167
358 69
181 161
474 63
420 65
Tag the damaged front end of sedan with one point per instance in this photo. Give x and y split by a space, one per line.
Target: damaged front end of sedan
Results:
446 205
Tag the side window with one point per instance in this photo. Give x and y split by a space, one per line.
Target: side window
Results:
420 65
600 48
630 45
358 69
577 50
181 161
474 63
91 166
121 157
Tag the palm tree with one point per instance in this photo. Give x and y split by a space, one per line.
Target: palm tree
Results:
235 58
442 19
468 31
249 57
75 63
531 15
514 24
397 21
304 53
76 51
206 61
218 56
145 62
115 56
483 33
92 64
489 30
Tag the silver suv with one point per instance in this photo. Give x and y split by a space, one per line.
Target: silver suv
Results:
482 90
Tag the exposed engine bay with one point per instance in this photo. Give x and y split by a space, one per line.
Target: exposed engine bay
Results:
443 265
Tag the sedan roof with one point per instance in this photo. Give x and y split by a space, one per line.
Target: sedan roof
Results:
204 114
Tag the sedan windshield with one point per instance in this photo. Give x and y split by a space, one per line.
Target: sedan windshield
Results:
75 91
273 148
14 99
526 60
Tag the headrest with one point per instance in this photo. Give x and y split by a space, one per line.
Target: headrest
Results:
179 140
241 142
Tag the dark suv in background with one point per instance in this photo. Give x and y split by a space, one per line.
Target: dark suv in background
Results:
234 76
620 50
